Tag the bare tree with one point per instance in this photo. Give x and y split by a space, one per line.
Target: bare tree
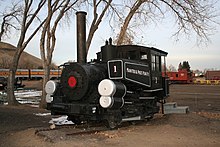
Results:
48 34
55 12
29 15
190 15
171 68
97 18
127 38
136 5
9 20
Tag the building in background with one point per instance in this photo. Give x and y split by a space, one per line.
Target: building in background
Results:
212 75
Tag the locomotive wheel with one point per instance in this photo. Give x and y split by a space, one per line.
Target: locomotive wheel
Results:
113 119
76 120
133 122
149 117
111 124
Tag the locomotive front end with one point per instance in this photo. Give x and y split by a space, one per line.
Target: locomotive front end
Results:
77 91
78 81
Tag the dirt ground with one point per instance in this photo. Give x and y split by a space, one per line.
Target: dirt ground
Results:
34 84
200 127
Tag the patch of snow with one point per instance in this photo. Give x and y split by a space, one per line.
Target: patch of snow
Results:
24 97
28 96
35 106
23 94
27 101
61 121
42 114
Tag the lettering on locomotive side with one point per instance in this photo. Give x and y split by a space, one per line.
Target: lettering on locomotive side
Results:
138 72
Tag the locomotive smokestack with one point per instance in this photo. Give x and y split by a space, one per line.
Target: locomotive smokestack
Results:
81 36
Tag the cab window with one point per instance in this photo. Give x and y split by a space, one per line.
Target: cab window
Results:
132 55
155 63
143 56
158 68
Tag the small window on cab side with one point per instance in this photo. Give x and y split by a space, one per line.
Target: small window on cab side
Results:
153 62
144 56
158 67
132 55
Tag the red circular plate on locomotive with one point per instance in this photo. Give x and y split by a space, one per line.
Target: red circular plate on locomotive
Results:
72 81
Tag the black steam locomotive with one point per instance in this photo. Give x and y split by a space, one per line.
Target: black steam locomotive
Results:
124 83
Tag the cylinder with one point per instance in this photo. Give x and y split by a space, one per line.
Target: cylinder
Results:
111 88
111 102
81 36
112 94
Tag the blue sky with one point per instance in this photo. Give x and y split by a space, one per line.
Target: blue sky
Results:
159 36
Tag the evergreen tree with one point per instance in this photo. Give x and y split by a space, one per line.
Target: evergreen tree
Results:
186 65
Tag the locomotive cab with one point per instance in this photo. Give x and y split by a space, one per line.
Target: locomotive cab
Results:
150 59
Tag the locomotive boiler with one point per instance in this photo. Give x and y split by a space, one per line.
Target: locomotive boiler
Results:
124 83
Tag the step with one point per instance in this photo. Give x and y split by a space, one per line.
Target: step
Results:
179 110
170 105
131 118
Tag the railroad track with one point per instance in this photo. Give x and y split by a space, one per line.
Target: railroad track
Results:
74 130
191 93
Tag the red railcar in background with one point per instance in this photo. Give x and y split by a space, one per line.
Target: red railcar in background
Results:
181 76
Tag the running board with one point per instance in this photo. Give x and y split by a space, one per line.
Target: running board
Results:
146 98
131 118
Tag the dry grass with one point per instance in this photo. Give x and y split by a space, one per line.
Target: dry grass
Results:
26 61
